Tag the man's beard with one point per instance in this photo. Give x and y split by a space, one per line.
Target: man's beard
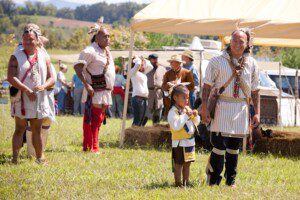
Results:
177 69
155 65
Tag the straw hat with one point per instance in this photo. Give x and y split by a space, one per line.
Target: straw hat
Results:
188 53
175 58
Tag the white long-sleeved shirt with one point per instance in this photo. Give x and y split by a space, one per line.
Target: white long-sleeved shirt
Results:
94 59
139 80
178 121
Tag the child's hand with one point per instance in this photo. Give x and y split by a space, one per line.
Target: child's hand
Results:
195 112
189 113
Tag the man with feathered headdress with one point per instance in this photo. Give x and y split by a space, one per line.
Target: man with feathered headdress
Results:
95 68
235 77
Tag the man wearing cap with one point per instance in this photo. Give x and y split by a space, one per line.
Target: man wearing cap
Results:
155 100
188 63
177 74
30 75
95 68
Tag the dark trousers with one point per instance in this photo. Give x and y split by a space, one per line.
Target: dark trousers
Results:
192 99
61 100
224 148
139 106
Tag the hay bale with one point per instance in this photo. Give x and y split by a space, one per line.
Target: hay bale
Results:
156 136
282 143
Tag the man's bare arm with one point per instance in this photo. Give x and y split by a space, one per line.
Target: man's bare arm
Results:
12 73
79 71
256 101
205 94
203 108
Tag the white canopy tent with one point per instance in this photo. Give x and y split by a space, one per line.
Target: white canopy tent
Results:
270 18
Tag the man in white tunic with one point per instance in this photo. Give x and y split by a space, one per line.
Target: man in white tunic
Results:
30 75
230 122
95 68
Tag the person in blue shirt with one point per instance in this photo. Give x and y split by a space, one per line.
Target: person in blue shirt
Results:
188 63
78 89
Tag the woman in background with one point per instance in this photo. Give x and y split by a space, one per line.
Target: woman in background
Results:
61 88
118 94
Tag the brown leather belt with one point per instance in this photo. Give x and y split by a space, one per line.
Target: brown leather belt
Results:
231 99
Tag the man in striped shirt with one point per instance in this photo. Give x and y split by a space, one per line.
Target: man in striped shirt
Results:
231 118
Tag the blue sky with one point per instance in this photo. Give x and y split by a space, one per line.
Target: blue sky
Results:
93 1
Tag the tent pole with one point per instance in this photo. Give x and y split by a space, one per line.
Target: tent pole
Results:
280 95
222 38
200 73
296 94
122 134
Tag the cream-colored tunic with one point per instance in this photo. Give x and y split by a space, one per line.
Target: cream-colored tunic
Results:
231 118
94 59
37 76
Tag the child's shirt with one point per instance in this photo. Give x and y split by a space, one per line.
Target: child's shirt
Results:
182 128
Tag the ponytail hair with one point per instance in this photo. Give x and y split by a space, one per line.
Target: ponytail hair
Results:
93 39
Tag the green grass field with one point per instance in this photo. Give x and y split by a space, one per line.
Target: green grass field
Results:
129 172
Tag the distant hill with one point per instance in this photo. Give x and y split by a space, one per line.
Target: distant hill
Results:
59 22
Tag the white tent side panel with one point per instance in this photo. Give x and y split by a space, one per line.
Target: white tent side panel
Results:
298 113
287 111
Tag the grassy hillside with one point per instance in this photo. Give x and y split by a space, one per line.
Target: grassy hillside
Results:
59 22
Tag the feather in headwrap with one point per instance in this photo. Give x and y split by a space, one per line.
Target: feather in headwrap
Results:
176 83
96 27
247 30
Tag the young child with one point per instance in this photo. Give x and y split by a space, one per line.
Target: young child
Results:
183 122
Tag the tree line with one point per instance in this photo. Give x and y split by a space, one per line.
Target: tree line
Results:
112 13
13 18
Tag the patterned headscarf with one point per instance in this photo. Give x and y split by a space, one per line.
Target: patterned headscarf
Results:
37 31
